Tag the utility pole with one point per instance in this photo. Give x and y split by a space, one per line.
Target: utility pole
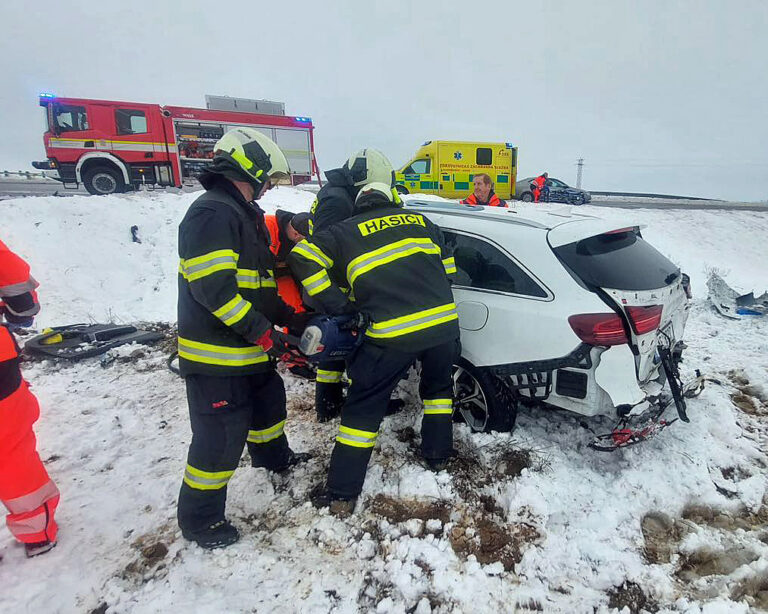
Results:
579 166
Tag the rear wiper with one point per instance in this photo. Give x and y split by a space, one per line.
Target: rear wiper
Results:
670 278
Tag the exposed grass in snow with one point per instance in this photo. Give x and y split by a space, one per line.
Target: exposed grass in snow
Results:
532 521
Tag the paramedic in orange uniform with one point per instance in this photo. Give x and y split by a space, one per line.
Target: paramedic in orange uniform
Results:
26 490
285 230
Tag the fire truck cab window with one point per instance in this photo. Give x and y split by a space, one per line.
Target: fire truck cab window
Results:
68 118
130 121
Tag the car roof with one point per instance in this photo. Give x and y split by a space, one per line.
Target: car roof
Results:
562 223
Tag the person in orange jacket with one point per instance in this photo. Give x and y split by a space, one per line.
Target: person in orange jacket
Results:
483 193
538 185
26 490
285 230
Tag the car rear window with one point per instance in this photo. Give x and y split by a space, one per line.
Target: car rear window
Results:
621 260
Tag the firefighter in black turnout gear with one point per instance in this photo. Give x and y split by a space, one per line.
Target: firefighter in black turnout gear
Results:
396 264
335 203
227 306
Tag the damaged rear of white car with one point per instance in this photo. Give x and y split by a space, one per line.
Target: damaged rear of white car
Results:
566 310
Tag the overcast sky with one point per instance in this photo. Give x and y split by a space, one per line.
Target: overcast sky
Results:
656 96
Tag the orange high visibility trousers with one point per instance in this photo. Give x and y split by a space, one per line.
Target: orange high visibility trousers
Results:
26 490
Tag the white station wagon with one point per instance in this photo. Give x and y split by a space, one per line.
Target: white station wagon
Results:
560 308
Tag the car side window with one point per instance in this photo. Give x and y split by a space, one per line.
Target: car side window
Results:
485 267
418 167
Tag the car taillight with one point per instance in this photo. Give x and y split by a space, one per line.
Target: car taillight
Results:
644 319
687 286
599 328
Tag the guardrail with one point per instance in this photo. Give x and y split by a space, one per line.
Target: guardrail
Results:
25 174
645 195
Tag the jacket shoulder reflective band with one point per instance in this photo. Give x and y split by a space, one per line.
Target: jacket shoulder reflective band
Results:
208 353
201 266
312 252
411 323
389 253
356 438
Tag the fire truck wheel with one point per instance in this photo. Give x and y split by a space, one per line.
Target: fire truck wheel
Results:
101 180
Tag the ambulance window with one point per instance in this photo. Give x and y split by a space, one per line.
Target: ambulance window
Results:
130 121
484 156
69 118
418 167
482 266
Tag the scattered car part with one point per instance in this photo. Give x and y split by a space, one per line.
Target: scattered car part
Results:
77 341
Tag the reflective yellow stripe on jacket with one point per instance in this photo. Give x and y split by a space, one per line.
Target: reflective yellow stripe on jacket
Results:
315 284
411 323
221 355
201 266
389 253
450 265
233 310
251 279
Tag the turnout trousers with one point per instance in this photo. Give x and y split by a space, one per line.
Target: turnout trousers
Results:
329 391
26 490
226 413
375 371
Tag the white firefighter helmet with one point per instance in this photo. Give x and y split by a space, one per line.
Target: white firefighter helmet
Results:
255 155
377 192
368 166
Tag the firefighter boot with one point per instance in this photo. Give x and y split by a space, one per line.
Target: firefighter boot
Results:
440 464
218 535
338 506
38 548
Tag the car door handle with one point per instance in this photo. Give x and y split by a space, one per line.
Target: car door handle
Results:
89 144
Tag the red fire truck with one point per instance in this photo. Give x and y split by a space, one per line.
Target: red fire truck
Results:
119 146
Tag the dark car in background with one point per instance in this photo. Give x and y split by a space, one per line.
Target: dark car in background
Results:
559 192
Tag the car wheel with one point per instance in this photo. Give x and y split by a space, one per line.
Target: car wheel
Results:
527 197
482 401
401 189
102 180
577 199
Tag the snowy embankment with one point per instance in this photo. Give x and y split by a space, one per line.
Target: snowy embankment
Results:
532 521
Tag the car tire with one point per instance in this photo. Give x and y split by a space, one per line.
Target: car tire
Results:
577 199
482 400
401 189
527 197
103 180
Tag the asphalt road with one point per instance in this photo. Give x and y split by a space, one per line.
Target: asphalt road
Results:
14 188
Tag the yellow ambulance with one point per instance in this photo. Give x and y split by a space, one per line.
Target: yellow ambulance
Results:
446 168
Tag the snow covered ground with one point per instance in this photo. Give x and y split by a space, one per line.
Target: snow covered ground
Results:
528 522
